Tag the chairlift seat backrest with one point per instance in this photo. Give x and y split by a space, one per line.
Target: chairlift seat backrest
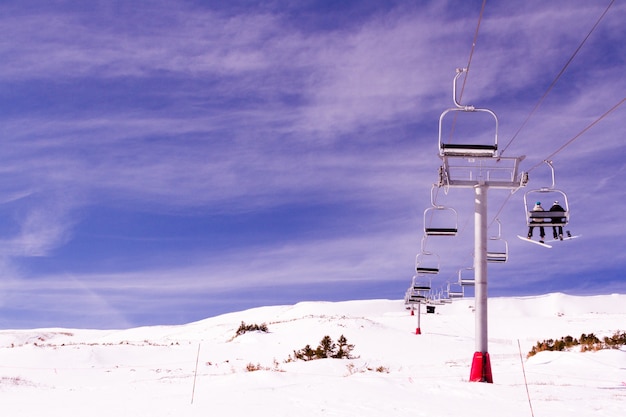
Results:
426 270
547 218
415 299
441 231
457 149
455 294
497 257
421 287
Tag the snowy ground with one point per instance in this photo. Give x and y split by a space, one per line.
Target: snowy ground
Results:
151 371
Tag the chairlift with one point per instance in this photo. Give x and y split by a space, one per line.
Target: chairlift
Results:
455 290
426 262
420 283
497 248
435 297
464 149
412 297
466 279
443 297
499 255
549 217
440 220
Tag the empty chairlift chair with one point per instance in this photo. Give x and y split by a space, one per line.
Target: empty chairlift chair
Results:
413 297
421 283
440 220
498 255
468 147
442 296
497 248
466 277
426 262
455 291
419 290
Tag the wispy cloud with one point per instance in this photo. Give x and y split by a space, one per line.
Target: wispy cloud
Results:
193 110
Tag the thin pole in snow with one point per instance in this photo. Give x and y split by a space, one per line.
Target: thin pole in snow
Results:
525 382
195 374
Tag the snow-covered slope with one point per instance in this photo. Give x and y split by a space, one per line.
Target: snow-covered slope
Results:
151 371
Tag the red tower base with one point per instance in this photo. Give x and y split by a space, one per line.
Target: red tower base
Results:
481 368
418 331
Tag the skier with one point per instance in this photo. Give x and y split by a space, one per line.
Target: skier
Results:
542 232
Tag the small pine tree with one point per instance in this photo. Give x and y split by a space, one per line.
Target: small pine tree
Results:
305 354
326 348
344 348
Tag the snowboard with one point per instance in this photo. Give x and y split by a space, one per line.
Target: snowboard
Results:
564 238
545 245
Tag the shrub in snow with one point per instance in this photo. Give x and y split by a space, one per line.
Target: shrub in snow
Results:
250 367
327 348
587 342
616 341
244 328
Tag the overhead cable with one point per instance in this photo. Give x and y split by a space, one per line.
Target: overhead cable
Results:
557 78
549 157
469 61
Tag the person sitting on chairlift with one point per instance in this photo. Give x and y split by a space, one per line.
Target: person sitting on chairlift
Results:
557 207
542 232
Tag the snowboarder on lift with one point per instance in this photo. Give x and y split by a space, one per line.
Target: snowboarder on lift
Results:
542 232
557 207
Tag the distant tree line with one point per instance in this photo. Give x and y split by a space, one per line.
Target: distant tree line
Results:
587 342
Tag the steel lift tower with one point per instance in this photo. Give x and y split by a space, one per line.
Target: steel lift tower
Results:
468 164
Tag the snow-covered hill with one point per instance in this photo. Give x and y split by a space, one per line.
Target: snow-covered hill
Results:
151 371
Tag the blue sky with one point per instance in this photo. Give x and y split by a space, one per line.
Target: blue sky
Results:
166 161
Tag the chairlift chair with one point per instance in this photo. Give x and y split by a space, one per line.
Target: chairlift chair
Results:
443 296
546 195
426 263
463 149
440 220
497 248
464 279
499 256
412 297
420 283
547 217
436 297
455 290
